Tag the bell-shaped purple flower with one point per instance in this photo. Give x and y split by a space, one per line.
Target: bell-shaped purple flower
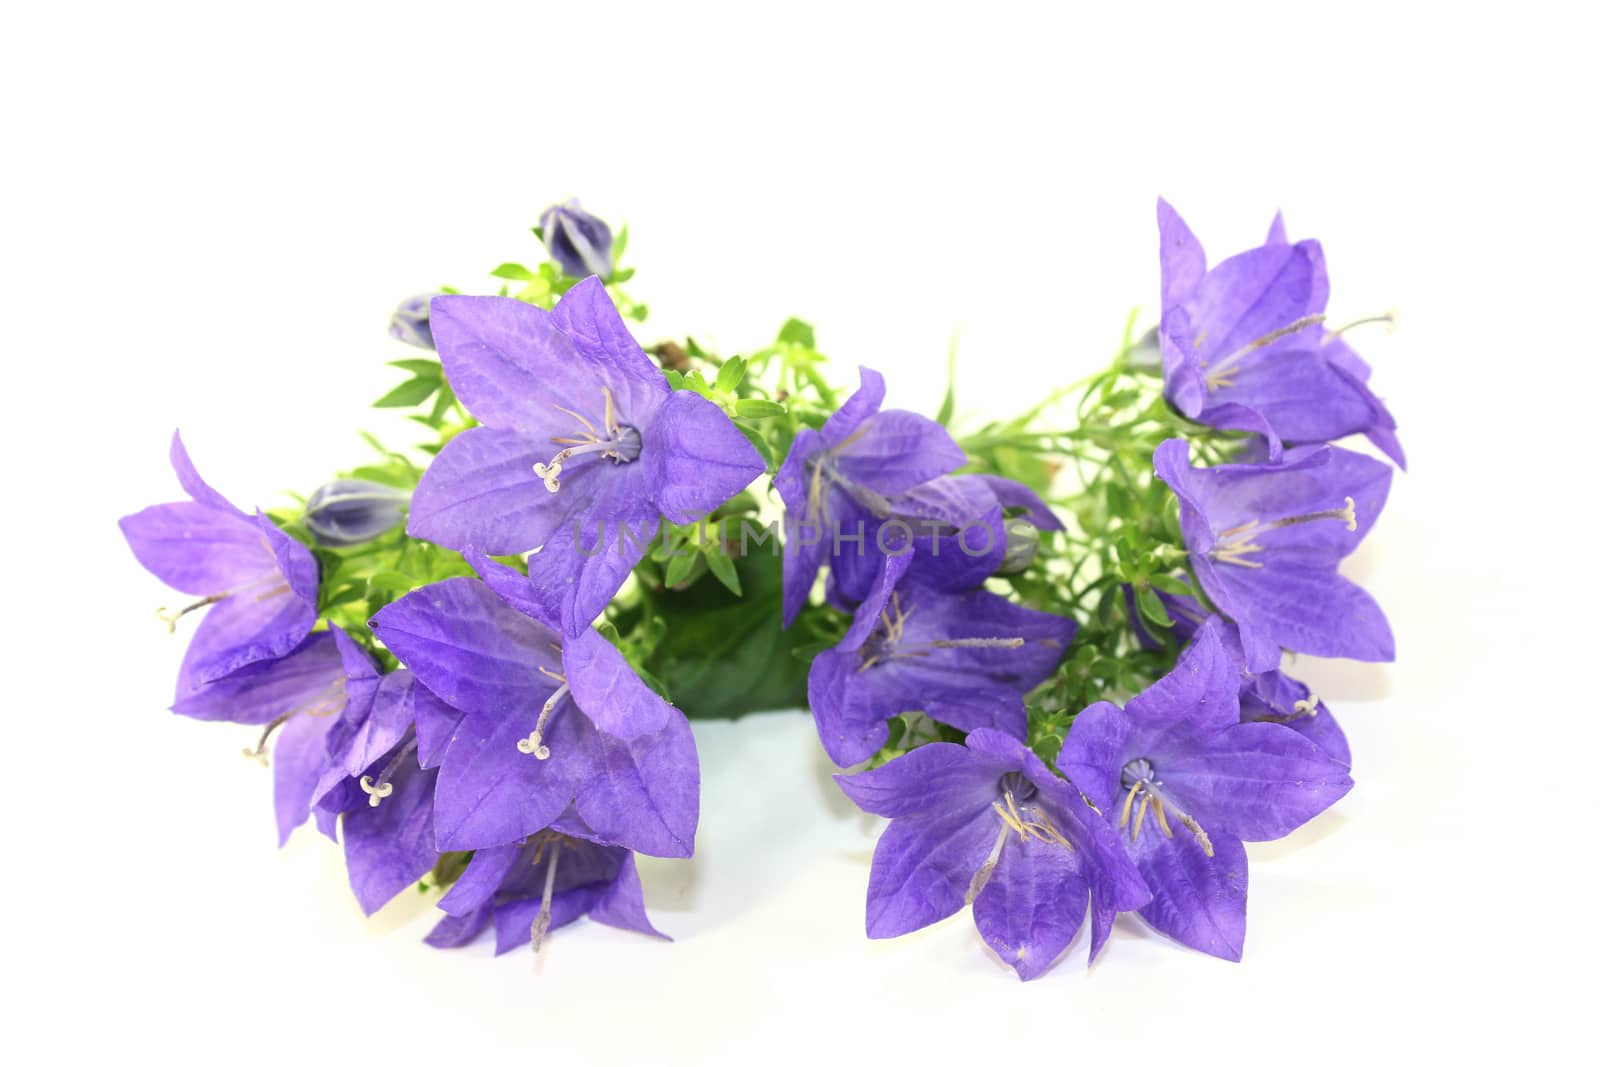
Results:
1186 783
1268 696
1266 542
837 480
579 242
546 722
409 322
583 447
956 528
965 658
260 584
1244 346
987 823
548 880
300 701
349 511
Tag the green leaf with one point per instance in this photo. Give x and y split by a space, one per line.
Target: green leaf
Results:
680 566
730 375
391 582
723 568
408 394
1169 584
751 408
722 655
1152 609
618 246
798 332
515 272
422 368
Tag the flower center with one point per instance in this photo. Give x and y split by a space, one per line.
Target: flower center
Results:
1139 778
616 442
1236 543
884 645
533 745
1223 372
825 472
171 616
1019 815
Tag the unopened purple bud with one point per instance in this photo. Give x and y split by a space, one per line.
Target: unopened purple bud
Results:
350 511
1145 355
576 240
409 323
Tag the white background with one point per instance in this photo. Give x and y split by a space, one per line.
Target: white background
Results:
208 214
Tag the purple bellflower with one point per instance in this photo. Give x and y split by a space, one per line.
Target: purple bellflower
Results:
955 527
389 839
299 701
546 722
260 584
349 511
963 658
383 760
987 823
409 323
549 880
1270 696
1266 542
1187 783
1244 347
579 242
837 478
583 447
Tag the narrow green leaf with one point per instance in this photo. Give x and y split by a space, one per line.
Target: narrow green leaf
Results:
422 368
751 408
408 394
679 566
730 375
515 272
391 582
722 567
1151 607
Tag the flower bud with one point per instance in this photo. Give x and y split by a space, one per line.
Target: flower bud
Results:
576 240
350 511
1022 543
409 323
1145 355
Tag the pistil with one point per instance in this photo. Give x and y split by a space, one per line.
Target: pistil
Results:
620 444
1222 374
1237 542
541 921
533 744
1139 779
171 617
259 753
377 791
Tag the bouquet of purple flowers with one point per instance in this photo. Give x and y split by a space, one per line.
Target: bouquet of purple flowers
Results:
1050 657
